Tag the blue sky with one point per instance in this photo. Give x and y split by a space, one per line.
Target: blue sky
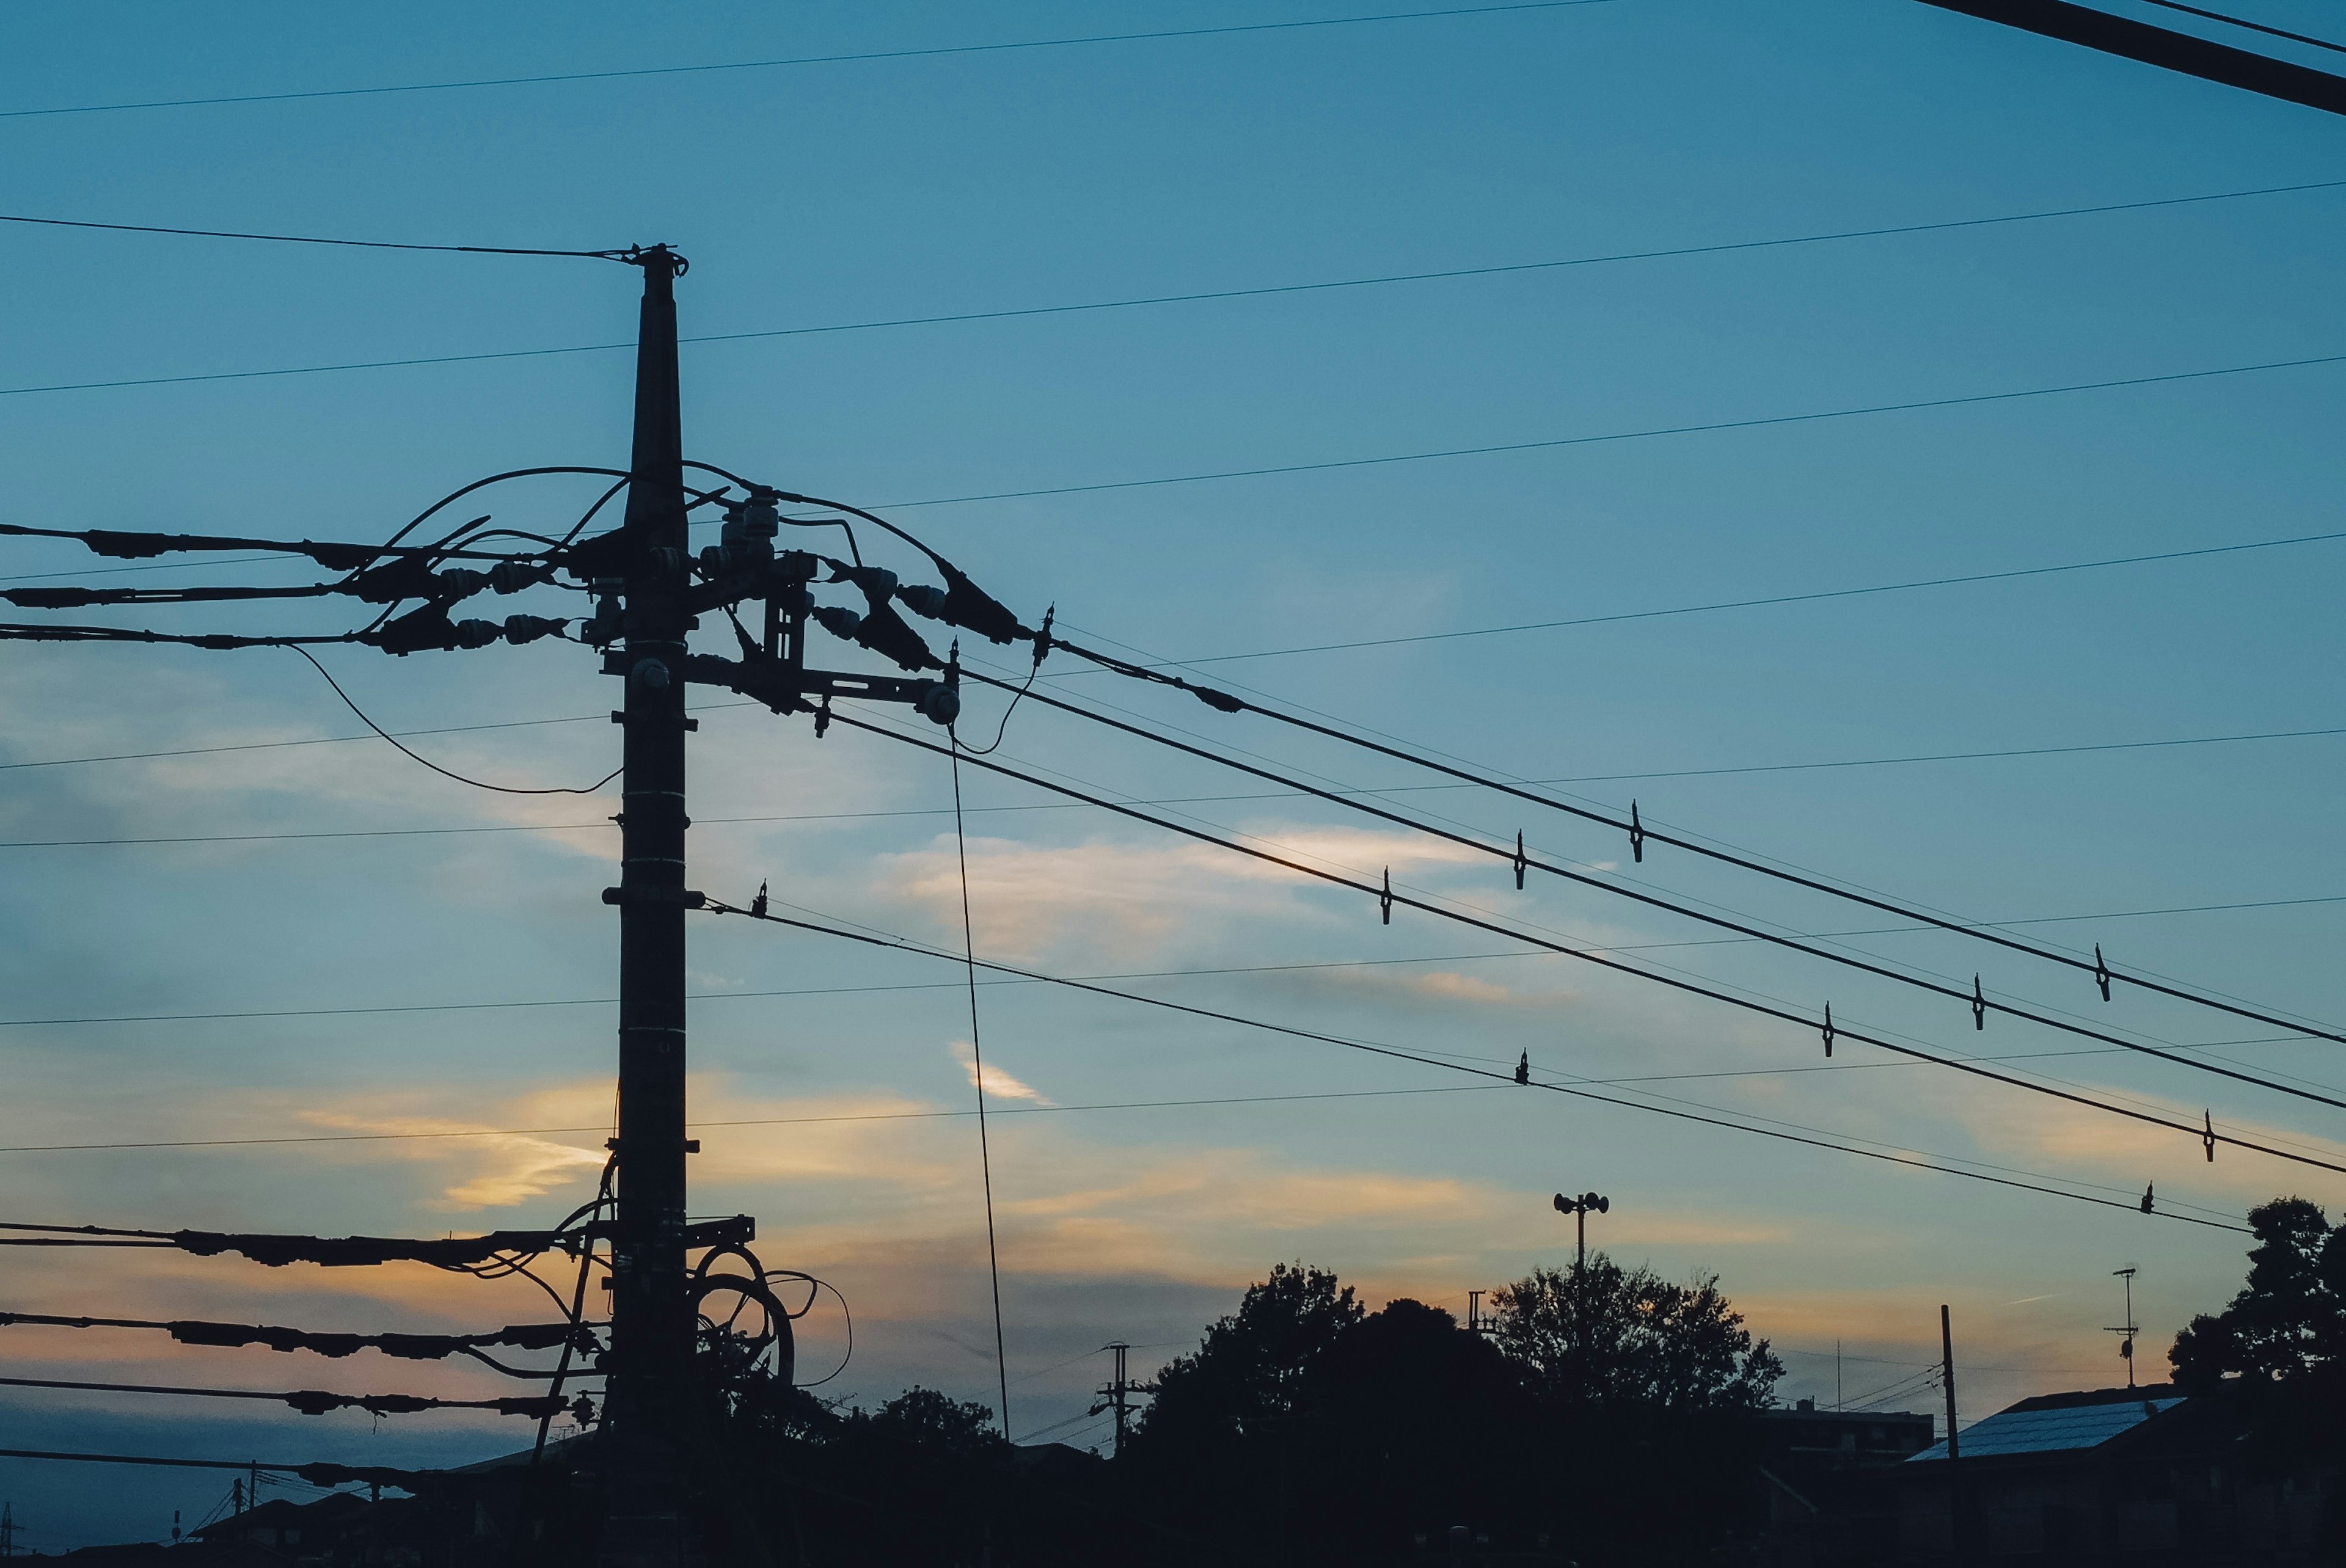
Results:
823 195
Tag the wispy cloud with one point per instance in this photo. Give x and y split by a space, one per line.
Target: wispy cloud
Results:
997 1083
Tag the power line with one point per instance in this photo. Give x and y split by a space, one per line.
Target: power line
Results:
1762 421
1691 987
434 767
977 1075
2252 26
1494 1075
1780 599
857 59
626 254
1638 834
1980 1003
1209 295
754 1122
312 1401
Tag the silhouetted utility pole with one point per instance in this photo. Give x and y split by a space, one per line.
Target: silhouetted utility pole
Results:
1955 1532
7 1529
2130 1327
650 1359
1116 1394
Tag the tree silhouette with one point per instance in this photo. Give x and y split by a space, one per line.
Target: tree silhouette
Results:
2278 1353
1247 1375
1615 1338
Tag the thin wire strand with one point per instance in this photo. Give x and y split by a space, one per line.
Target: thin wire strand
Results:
616 255
2252 26
1765 1008
1792 943
1902 1157
858 58
1202 296
977 1064
444 773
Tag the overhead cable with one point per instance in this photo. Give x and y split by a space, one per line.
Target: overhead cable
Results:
407 1347
1494 1075
1639 835
334 1252
1757 603
317 1403
1980 1003
2252 26
316 1473
1746 1004
1204 296
1649 432
624 253
860 58
446 773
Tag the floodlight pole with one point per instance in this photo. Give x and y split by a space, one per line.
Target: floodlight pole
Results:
650 1359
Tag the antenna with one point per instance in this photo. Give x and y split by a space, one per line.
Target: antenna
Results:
2130 1327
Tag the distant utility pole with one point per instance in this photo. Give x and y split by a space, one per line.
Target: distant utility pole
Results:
8 1529
1476 1323
1116 1393
2130 1327
1955 1534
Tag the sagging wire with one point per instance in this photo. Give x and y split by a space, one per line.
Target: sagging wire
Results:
1584 955
1577 1090
977 1072
446 773
1980 1003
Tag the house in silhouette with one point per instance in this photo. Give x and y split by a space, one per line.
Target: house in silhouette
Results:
2144 1477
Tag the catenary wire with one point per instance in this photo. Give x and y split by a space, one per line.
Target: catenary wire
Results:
1977 999
1766 1009
864 56
1497 1077
1197 297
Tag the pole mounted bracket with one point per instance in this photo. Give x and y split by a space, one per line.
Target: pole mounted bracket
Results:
683 896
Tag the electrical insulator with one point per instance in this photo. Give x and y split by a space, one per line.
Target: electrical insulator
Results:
940 703
839 621
512 576
520 629
477 634
923 600
458 582
877 582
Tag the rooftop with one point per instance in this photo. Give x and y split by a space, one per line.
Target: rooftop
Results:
2054 1423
